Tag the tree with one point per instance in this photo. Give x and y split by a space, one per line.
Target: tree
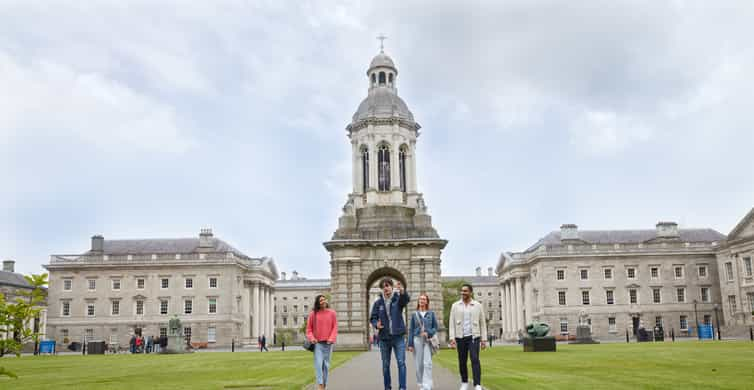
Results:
16 315
451 293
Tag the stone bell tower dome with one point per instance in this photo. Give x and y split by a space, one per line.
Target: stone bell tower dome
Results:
384 230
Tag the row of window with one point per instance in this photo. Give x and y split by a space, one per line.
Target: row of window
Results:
732 305
612 327
115 284
633 296
632 273
747 268
383 168
90 309
89 334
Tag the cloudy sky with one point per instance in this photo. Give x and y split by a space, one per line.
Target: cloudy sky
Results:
138 120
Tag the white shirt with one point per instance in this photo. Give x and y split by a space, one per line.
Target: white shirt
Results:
467 329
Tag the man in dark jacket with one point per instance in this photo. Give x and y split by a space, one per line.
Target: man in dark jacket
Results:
387 317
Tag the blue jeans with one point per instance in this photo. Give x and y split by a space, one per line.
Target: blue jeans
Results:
322 353
398 344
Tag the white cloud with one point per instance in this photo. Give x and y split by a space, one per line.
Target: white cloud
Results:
605 132
52 99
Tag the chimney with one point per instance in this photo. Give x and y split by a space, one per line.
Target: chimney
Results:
282 276
205 238
667 230
98 244
9 266
569 231
478 271
489 271
294 275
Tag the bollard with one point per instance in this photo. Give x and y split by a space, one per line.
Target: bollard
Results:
672 334
751 334
627 336
233 345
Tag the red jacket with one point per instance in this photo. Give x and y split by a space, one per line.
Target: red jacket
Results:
325 326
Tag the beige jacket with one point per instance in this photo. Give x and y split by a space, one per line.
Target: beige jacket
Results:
478 320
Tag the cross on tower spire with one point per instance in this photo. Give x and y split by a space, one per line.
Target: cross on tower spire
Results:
382 39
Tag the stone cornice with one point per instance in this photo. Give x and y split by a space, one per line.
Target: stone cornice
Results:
437 242
408 125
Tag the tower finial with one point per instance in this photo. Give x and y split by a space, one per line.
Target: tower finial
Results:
382 39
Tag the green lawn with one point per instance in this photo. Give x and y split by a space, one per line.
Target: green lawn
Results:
221 370
696 365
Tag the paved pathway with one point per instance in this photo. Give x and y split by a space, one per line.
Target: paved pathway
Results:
365 372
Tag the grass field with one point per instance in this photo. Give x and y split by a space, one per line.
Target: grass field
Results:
274 370
687 365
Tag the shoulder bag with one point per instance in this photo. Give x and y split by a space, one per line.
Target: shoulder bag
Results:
308 344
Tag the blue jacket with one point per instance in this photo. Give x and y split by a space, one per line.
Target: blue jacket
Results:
415 328
397 303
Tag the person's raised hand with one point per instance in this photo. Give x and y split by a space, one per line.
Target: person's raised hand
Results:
452 344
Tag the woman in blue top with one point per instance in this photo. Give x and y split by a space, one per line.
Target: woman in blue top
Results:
423 327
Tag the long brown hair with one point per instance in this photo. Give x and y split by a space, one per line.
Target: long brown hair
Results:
420 296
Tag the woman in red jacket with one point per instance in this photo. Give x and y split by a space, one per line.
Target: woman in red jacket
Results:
322 331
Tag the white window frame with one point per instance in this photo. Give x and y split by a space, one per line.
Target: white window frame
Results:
211 334
604 275
167 307
675 273
187 282
209 305
557 274
113 304
209 282
609 295
732 304
143 283
113 284
684 320
94 309
563 321
587 295
677 290
612 327
63 307
69 282
652 275
656 299
166 285
581 274
747 266
701 294
188 306
636 293
565 298
699 269
136 307
628 273
91 284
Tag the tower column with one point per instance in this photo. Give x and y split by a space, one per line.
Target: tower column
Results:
508 307
519 304
272 316
246 310
373 166
356 176
395 172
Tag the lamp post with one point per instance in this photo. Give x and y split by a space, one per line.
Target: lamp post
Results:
696 319
717 321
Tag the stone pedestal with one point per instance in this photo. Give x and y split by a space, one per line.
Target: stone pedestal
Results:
176 344
539 344
583 336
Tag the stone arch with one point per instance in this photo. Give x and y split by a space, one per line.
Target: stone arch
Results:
374 277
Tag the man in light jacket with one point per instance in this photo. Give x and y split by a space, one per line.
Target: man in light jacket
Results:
468 331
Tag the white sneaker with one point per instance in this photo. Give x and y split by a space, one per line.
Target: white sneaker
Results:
478 387
464 386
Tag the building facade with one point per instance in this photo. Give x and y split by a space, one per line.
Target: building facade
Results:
614 281
124 287
384 230
734 261
13 285
294 299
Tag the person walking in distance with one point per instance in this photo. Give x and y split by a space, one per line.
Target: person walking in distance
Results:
468 331
263 344
423 326
322 331
387 317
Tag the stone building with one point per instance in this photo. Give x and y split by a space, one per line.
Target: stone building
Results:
122 287
12 284
487 292
615 280
384 229
294 299
734 260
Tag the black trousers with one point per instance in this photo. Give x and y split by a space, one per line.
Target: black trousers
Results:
465 347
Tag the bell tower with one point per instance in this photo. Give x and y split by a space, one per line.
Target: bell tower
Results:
384 229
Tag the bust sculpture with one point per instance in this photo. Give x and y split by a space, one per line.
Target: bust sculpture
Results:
537 329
